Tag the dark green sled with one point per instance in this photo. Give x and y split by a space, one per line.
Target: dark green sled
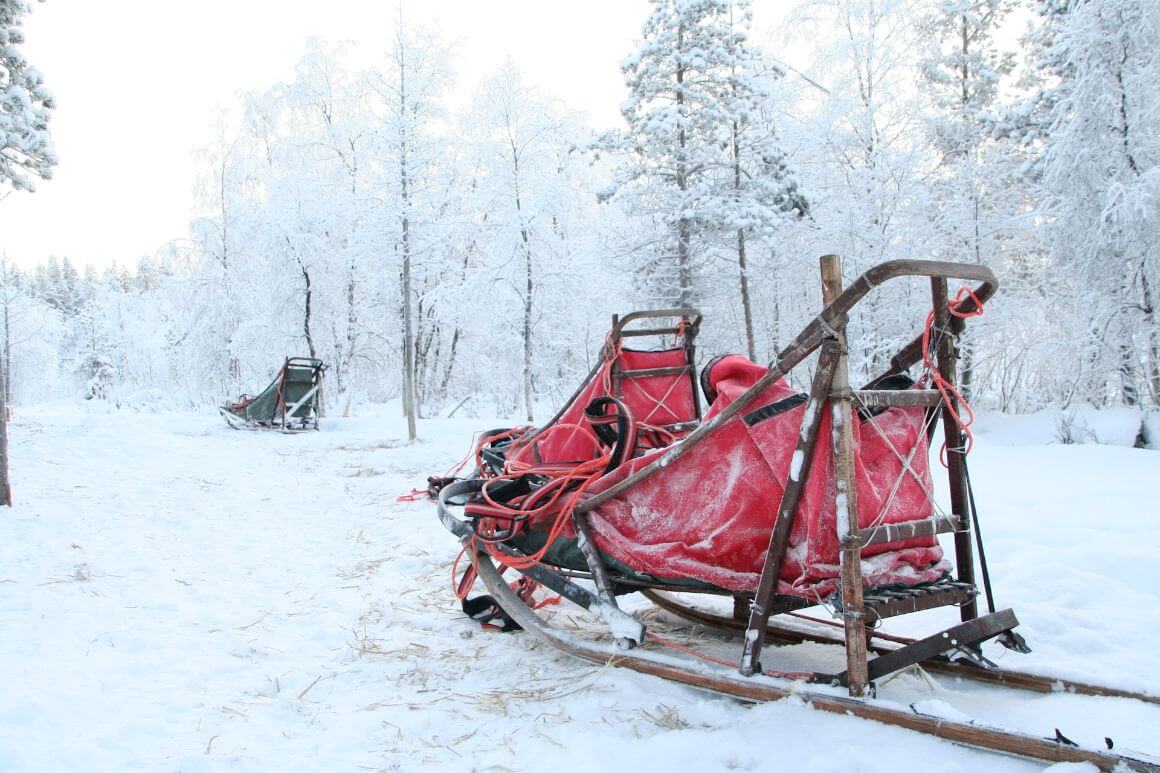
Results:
291 403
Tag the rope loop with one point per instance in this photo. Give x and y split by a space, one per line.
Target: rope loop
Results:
958 408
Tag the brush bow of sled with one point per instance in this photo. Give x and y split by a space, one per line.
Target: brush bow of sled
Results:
773 501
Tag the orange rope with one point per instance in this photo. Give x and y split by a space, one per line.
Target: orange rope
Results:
950 393
559 495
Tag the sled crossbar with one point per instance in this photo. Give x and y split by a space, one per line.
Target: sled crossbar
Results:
894 532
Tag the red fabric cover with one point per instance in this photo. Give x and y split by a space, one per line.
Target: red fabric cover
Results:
709 514
655 400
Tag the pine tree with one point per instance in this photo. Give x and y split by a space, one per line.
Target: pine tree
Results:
760 192
25 146
677 145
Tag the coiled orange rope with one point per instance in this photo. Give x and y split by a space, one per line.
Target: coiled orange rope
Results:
951 395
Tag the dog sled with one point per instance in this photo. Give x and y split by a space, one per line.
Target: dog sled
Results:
291 403
766 501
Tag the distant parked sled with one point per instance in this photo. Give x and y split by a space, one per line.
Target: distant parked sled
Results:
291 403
771 500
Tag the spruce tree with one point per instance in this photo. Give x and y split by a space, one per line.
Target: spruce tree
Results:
677 143
25 146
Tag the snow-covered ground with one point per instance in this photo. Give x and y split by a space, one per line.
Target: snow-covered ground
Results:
176 595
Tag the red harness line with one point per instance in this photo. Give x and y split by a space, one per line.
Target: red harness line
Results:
950 393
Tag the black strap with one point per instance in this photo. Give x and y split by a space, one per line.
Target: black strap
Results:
484 609
620 438
759 415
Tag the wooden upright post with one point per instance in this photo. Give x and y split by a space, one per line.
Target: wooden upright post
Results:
947 353
846 496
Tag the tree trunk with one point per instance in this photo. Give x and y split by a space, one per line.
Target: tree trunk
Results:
743 270
527 326
5 486
529 287
1129 389
8 354
684 226
306 312
1153 340
410 407
746 307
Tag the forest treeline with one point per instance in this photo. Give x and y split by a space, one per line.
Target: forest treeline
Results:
434 255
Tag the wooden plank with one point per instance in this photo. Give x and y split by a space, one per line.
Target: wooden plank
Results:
799 473
892 532
921 599
947 354
648 331
846 497
969 633
793 634
678 370
760 688
892 398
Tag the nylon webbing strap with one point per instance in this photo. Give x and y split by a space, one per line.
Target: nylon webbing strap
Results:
758 415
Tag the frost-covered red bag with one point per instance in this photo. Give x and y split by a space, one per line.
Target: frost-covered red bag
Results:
709 514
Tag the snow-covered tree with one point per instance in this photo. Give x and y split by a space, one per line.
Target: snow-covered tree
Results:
410 92
681 109
524 190
25 145
974 200
862 150
1099 173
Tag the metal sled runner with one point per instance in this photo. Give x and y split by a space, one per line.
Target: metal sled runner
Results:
774 500
290 403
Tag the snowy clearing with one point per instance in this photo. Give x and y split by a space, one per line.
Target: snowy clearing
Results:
181 596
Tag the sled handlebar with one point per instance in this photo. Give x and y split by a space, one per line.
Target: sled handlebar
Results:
894 269
988 284
620 324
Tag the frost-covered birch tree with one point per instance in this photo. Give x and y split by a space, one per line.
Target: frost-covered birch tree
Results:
410 91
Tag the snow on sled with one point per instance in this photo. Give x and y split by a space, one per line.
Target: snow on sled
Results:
291 403
771 500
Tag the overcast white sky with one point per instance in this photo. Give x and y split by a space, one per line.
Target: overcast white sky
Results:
138 84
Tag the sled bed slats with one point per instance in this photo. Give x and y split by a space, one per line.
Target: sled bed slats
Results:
897 398
903 601
893 532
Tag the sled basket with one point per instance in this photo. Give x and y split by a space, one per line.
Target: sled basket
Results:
291 402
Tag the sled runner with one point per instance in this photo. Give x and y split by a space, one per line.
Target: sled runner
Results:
291 402
773 500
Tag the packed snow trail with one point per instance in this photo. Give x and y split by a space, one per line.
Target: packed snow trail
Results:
177 595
